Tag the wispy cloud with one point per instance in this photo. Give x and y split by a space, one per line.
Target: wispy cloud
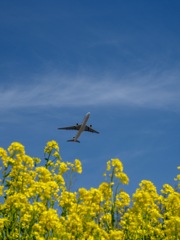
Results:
148 91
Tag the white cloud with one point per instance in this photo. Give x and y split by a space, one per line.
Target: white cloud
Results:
149 91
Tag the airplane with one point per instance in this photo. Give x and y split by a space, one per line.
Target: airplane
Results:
80 128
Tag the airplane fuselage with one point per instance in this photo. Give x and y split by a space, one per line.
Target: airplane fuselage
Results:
80 128
83 125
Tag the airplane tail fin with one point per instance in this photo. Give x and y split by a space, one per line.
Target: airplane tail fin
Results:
72 140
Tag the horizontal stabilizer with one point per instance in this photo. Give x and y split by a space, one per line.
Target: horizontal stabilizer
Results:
73 140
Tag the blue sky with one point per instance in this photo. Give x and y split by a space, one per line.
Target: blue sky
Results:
119 60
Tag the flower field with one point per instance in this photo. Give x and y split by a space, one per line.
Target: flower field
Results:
36 201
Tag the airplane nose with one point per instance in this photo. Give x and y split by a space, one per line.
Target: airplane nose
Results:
88 114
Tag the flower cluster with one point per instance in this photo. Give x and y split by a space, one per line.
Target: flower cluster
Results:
36 201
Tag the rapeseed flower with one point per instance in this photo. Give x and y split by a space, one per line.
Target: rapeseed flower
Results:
36 201
51 145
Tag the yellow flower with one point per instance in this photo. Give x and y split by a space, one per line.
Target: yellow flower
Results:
3 155
63 168
59 179
49 219
122 200
56 154
167 189
123 177
106 190
67 199
16 148
78 166
116 234
51 145
37 205
108 166
1 190
117 163
2 222
44 174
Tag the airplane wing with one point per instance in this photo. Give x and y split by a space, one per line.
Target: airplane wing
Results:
89 129
75 127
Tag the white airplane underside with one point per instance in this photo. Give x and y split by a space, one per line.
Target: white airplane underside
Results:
80 128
